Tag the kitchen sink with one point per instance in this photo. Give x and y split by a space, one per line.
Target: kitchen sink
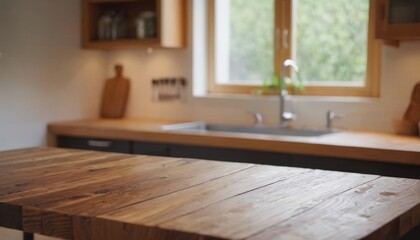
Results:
256 129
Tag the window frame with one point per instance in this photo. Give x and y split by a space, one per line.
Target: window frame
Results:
283 20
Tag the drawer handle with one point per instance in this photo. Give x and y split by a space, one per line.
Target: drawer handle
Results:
101 144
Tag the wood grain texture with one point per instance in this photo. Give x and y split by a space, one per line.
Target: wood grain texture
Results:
105 230
249 213
47 223
413 111
87 195
364 208
371 146
171 206
150 186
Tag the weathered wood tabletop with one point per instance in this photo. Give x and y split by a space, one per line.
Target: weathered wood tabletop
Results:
76 194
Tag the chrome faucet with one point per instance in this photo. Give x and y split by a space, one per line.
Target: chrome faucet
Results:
285 116
330 118
258 117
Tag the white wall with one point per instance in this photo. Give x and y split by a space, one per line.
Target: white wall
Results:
44 74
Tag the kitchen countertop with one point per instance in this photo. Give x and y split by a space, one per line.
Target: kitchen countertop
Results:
87 195
372 146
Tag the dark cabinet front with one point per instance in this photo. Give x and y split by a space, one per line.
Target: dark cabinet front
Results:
154 149
96 144
241 155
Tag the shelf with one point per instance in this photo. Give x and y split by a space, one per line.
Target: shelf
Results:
116 1
170 23
123 44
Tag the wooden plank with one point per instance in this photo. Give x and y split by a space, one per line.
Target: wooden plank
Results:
252 212
34 164
32 220
171 206
359 213
82 227
53 165
117 193
76 184
48 220
410 220
13 152
12 168
148 186
33 183
103 230
47 223
48 166
25 156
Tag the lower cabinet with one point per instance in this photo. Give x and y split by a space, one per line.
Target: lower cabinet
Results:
277 159
240 155
210 153
154 149
231 155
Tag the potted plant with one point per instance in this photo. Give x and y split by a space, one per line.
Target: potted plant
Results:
271 86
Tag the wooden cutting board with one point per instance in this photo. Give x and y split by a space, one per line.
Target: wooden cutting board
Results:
115 95
413 111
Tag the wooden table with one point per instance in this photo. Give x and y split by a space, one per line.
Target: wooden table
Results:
75 194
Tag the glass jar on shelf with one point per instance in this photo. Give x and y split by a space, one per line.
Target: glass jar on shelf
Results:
146 25
105 25
119 26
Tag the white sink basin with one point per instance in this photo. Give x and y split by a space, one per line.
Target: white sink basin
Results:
257 129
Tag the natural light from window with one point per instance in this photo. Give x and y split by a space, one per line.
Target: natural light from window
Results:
329 42
244 41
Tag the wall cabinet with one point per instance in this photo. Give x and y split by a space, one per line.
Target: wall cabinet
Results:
116 24
240 155
398 19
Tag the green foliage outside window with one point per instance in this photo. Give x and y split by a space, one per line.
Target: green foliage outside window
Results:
251 40
331 40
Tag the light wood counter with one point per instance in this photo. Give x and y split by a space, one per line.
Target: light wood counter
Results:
88 195
374 146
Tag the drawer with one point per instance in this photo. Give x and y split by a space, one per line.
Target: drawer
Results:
96 144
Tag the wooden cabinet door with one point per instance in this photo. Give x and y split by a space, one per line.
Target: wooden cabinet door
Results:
390 22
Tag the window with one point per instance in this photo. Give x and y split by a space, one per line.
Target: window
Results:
331 41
